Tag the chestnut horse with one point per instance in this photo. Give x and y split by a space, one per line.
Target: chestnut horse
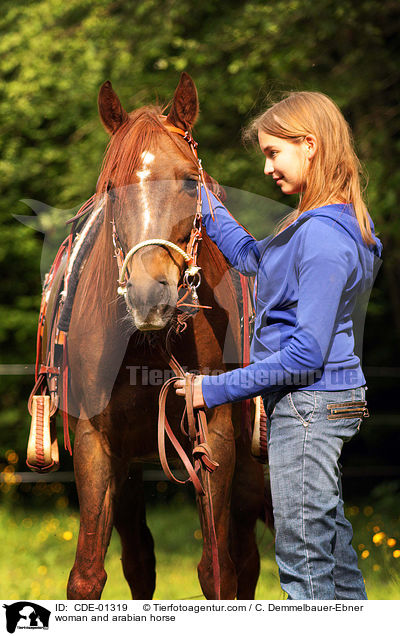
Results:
148 186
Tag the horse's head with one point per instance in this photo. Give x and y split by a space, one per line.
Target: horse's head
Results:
150 179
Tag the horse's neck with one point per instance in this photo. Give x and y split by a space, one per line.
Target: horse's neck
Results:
96 301
215 268
223 295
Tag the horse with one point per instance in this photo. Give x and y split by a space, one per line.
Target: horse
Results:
148 188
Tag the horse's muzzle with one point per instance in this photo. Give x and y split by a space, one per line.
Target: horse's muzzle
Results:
151 305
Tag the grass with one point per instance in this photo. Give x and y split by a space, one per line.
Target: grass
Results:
39 547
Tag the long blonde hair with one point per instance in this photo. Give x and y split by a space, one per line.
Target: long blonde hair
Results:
334 172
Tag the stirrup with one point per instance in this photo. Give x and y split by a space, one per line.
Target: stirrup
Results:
42 452
259 449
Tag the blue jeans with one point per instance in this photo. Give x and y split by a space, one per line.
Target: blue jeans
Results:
313 537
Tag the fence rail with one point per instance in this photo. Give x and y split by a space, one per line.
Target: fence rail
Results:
158 475
372 372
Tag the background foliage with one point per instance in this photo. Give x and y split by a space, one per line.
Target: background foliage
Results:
55 55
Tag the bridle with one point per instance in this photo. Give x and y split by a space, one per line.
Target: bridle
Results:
197 430
191 275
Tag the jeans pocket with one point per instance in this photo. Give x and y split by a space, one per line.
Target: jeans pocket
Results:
303 404
348 413
347 410
346 428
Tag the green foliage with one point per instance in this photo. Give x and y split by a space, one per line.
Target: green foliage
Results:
55 55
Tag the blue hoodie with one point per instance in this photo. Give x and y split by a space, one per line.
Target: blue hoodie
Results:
310 279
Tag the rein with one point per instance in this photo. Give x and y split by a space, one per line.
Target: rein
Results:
197 433
197 430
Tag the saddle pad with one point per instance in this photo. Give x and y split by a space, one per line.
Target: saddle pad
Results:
82 245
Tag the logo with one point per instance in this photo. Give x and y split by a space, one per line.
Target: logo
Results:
26 615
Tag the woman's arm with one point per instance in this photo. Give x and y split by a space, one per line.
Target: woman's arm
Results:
241 249
325 264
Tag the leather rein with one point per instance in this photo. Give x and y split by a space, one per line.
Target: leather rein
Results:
197 431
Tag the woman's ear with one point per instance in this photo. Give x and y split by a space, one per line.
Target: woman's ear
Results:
310 146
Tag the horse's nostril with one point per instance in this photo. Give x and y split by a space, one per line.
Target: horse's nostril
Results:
163 281
129 284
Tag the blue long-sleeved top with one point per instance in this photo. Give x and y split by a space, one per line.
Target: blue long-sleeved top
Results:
309 279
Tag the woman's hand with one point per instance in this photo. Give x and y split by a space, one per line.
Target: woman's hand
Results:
198 400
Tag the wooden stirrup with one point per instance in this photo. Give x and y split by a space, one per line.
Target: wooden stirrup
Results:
42 453
259 448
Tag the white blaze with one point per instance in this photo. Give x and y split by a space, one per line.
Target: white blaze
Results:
142 175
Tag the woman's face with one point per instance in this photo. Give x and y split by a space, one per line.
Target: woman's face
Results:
287 161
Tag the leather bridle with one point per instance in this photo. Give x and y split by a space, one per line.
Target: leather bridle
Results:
191 276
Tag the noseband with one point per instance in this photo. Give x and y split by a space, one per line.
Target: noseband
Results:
191 276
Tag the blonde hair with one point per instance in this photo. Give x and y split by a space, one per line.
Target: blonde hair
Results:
334 172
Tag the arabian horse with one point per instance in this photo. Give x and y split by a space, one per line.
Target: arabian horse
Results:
147 187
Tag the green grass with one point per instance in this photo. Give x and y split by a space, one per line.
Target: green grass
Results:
38 548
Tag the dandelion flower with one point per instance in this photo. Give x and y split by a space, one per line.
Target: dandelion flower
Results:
365 554
353 511
378 538
396 554
12 457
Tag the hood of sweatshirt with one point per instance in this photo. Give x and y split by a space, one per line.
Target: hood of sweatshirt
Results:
343 218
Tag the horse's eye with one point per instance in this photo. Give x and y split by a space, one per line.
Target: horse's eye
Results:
111 192
190 185
185 240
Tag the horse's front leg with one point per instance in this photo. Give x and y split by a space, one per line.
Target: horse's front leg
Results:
222 442
95 483
138 560
248 504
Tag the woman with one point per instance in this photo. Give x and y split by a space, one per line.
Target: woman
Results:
309 278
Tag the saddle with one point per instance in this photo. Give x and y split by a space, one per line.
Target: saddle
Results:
51 369
50 392
42 452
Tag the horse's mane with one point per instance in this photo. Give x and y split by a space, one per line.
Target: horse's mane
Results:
122 157
127 144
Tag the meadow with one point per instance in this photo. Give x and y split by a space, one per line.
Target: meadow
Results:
38 546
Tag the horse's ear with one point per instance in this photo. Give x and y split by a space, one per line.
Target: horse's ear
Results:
185 105
111 112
